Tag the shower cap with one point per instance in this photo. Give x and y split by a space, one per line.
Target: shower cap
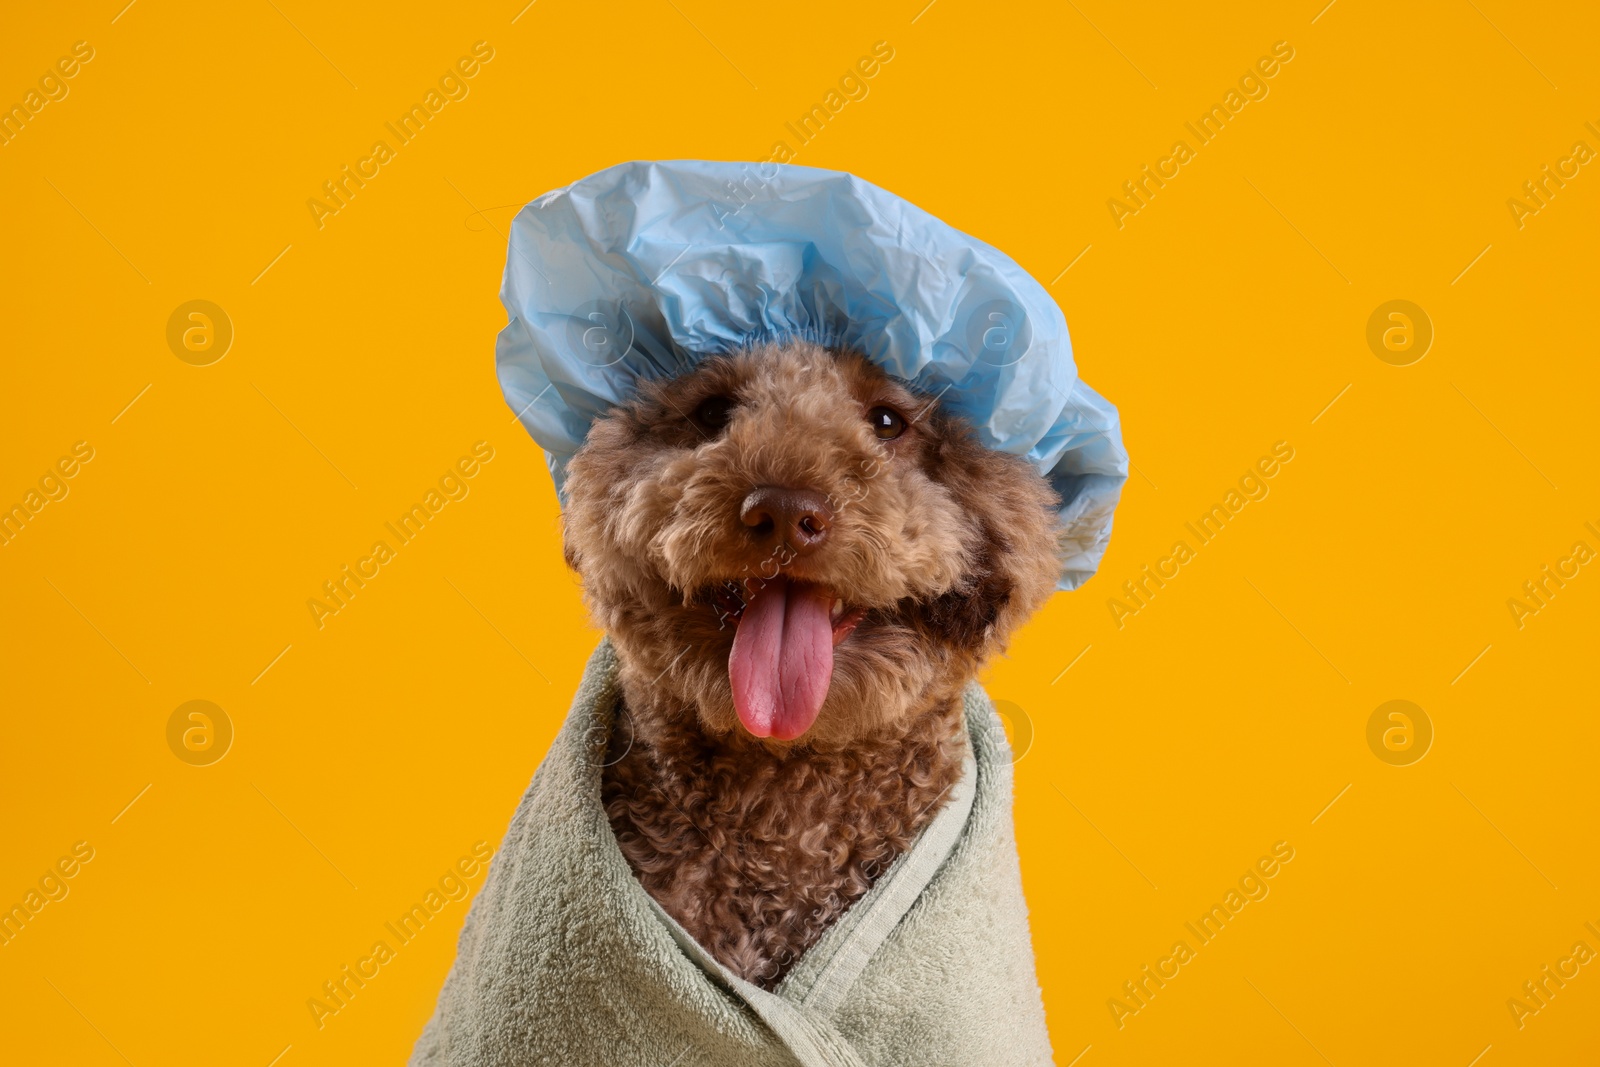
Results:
645 268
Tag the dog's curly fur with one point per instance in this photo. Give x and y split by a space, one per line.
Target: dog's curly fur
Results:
756 845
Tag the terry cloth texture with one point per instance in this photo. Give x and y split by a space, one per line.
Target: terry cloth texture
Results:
565 959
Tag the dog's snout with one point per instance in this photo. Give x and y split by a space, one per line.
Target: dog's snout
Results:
799 518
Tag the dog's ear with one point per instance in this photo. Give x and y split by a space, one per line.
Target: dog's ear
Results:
569 549
597 478
965 617
577 516
1013 517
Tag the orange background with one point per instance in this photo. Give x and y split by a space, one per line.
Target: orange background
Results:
1225 316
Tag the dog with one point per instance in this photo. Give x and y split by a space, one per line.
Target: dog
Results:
801 562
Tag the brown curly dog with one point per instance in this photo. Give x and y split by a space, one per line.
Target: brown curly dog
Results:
801 564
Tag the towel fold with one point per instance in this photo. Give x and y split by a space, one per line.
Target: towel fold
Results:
565 959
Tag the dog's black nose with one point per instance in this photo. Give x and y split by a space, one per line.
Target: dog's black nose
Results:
796 517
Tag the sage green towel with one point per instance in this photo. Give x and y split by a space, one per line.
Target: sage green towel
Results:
566 960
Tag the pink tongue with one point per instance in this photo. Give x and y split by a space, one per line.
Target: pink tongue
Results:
782 659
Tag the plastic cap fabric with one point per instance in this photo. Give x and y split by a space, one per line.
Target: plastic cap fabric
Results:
645 268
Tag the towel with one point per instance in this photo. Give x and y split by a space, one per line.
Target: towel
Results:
565 959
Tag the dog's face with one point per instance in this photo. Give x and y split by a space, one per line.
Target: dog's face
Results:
790 543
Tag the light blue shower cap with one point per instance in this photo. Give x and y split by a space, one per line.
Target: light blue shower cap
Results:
643 269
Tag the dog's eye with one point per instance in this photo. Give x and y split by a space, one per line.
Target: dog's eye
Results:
887 423
713 412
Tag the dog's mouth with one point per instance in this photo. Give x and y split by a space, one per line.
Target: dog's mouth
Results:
782 658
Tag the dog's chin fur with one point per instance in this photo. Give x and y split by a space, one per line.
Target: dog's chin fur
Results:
944 547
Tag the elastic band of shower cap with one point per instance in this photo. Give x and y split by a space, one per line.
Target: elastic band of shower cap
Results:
645 268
